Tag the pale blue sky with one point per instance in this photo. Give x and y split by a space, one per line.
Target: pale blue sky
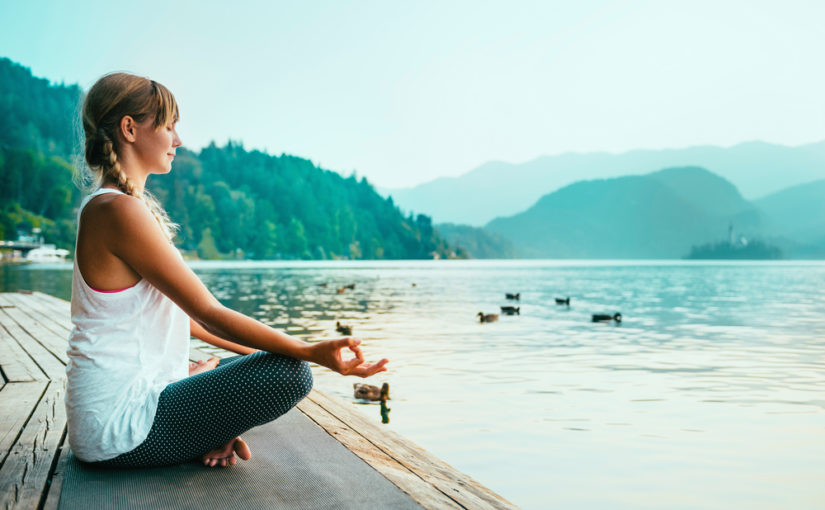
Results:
404 92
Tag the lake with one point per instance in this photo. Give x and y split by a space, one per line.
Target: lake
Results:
709 394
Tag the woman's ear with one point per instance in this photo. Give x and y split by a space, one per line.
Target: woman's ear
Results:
128 128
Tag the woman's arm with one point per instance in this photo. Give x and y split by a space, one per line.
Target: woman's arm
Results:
197 331
133 235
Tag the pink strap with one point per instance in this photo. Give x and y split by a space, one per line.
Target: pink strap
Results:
110 291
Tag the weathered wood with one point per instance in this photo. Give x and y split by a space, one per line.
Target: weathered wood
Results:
56 482
457 485
414 486
16 364
39 343
58 305
57 322
198 355
17 401
57 310
24 475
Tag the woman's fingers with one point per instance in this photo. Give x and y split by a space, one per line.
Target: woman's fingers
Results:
334 359
366 369
356 349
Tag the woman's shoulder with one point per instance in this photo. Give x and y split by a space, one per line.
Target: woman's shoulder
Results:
115 209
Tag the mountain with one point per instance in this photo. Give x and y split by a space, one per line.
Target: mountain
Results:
229 202
797 212
658 215
503 189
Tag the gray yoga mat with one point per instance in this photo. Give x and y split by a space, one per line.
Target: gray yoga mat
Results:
295 464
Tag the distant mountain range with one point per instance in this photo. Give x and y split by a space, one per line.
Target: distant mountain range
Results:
501 189
662 215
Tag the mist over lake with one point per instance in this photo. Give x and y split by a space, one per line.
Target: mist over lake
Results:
707 395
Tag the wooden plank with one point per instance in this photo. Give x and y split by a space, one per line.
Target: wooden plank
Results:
419 490
46 348
24 475
196 354
50 319
56 482
16 364
60 306
17 401
59 314
457 485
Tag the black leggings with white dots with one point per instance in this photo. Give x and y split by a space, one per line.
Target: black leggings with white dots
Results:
205 411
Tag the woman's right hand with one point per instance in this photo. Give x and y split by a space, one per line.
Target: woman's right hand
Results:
328 354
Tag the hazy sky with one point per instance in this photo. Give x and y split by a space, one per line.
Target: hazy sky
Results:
404 92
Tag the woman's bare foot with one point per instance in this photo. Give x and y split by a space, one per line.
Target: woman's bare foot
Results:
203 366
225 455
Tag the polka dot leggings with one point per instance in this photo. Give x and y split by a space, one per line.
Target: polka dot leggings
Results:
205 411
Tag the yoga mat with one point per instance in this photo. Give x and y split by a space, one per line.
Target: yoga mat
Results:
295 464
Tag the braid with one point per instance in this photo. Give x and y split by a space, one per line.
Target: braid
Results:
111 168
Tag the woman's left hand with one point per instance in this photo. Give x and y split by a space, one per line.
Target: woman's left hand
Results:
329 354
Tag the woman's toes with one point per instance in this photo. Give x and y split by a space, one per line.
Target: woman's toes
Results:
242 449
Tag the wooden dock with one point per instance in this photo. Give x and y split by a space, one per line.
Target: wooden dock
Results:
34 328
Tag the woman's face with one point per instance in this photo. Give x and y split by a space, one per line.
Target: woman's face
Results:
155 148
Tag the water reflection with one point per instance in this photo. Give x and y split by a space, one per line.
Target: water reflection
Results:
714 379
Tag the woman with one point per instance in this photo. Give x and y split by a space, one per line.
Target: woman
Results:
132 398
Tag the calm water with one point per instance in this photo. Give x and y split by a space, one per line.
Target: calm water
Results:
710 394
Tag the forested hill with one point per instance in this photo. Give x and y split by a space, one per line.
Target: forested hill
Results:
228 200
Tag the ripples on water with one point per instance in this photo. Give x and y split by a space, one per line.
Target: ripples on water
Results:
711 393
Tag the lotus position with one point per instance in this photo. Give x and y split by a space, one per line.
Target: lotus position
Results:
132 397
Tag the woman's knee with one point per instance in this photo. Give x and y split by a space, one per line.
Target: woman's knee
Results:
304 378
293 375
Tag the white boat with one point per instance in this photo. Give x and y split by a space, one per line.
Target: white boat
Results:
47 253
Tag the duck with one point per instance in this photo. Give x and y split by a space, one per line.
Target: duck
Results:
324 285
341 290
343 328
510 310
370 392
605 317
563 301
488 317
515 296
350 286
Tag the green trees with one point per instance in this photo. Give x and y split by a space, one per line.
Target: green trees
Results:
228 201
286 207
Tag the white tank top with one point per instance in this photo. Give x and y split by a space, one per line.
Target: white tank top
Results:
125 347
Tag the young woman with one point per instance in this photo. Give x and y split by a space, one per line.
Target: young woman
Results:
132 398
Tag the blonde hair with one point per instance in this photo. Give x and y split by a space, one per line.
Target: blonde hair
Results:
111 98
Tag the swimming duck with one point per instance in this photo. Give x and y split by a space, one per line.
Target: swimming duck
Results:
604 317
370 392
343 328
515 296
489 317
350 286
563 301
510 310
